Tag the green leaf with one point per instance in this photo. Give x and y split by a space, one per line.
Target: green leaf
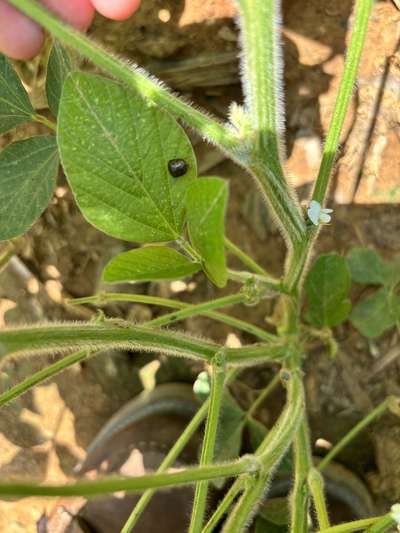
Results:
206 205
276 510
376 314
15 106
59 66
366 266
115 149
147 264
327 286
392 273
264 526
28 171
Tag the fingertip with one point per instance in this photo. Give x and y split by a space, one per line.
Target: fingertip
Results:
116 10
78 13
20 37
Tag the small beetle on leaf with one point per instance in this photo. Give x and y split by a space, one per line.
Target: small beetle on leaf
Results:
177 167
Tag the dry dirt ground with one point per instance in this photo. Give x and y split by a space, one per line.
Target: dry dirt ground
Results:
46 432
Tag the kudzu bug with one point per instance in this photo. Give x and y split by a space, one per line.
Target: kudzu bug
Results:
177 167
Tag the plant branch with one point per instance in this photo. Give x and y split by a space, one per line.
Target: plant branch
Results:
262 77
261 397
316 486
119 334
237 487
245 259
132 484
269 453
356 430
172 455
45 121
354 51
194 310
209 440
299 499
356 525
385 524
105 297
42 375
135 78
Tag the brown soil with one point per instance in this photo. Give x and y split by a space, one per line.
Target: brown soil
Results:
46 432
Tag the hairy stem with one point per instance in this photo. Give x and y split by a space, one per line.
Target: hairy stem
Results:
237 486
385 524
172 455
194 310
356 430
354 51
264 394
123 335
42 375
299 499
134 78
133 484
210 436
245 259
316 485
262 85
269 453
356 525
262 77
105 297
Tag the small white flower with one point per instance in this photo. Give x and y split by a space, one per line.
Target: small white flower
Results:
318 214
395 513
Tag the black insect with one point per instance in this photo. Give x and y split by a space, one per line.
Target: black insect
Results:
177 167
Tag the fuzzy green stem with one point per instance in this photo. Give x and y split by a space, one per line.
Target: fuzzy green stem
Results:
105 297
262 77
282 201
383 525
172 455
269 453
133 484
264 394
134 78
55 337
316 485
265 285
45 121
122 335
354 51
42 375
167 462
237 486
299 499
244 258
210 436
356 525
373 415
240 482
262 84
194 310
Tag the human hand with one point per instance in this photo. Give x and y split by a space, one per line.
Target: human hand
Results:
21 38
